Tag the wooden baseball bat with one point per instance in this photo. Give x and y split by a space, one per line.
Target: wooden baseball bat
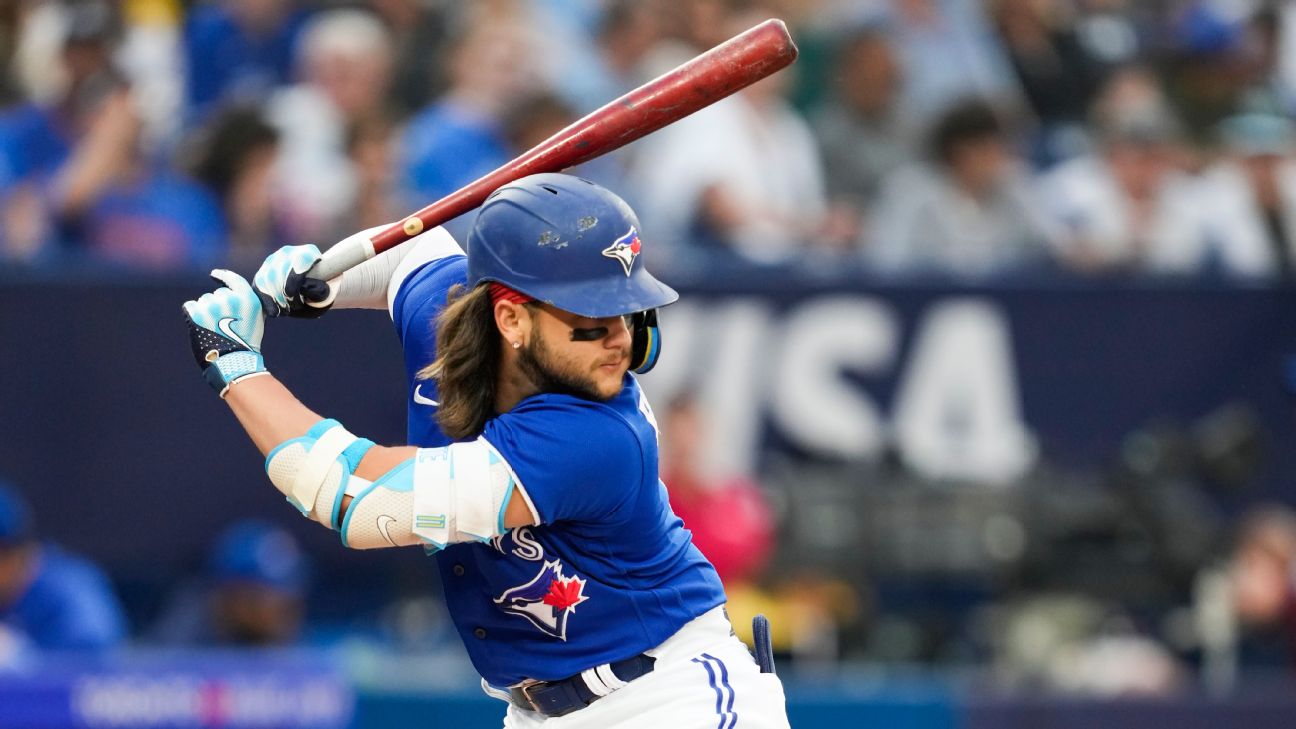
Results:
733 65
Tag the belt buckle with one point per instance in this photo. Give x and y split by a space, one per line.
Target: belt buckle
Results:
525 689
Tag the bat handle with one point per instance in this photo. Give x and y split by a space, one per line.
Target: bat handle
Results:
342 256
337 260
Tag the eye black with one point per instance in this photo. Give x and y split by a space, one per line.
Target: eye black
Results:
589 335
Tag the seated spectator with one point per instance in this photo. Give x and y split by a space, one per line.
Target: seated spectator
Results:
970 212
732 522
948 51
1263 578
860 134
535 117
1058 71
77 177
459 136
742 175
419 32
1130 207
1209 63
37 136
49 598
686 28
599 58
234 162
729 517
371 150
1251 194
238 51
117 206
344 67
253 594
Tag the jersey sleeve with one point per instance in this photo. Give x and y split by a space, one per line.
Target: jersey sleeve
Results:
575 460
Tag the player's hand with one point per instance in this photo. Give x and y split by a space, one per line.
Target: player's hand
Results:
225 328
284 287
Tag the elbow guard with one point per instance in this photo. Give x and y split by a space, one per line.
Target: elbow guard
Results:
457 493
315 471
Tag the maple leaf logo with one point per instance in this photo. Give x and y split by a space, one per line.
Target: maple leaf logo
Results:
546 600
565 594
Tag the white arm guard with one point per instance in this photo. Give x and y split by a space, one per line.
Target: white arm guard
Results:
383 514
315 471
461 492
373 284
458 493
433 245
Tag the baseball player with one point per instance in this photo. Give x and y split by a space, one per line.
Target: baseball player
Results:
532 476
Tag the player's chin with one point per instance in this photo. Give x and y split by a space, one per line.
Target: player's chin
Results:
609 379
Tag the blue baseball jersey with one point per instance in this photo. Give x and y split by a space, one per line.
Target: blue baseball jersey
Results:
69 605
610 571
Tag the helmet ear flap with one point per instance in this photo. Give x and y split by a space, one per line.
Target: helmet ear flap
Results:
645 345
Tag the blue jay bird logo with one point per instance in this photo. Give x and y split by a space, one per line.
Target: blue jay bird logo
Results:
625 249
546 600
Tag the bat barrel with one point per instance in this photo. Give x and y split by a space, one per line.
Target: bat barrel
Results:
721 71
729 67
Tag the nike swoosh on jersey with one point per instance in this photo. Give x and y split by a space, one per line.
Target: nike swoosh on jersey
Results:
420 399
384 522
227 330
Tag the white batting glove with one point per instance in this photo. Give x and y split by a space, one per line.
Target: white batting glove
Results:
284 287
225 328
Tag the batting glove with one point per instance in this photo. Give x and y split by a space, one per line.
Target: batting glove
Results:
286 290
225 330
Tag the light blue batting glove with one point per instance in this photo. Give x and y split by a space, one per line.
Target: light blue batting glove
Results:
284 287
225 328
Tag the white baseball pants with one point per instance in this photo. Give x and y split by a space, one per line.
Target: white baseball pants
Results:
704 678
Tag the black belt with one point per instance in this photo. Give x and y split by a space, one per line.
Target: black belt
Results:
558 698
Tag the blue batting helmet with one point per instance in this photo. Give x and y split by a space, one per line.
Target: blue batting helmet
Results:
255 551
564 241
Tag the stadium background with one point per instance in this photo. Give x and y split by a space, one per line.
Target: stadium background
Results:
982 379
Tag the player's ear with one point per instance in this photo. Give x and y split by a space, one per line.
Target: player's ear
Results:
513 321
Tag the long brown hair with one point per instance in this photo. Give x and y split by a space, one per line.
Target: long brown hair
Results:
467 365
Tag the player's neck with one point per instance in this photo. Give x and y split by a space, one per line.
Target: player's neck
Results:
513 385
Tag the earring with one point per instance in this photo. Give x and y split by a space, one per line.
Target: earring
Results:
516 345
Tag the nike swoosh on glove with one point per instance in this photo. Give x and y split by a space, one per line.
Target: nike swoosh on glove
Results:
225 328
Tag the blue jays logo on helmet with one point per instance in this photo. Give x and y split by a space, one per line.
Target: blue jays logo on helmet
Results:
625 249
546 600
549 236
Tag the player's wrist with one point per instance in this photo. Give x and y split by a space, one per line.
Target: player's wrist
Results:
232 368
224 393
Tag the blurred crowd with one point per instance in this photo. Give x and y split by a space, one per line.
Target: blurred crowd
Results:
954 138
249 593
972 140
